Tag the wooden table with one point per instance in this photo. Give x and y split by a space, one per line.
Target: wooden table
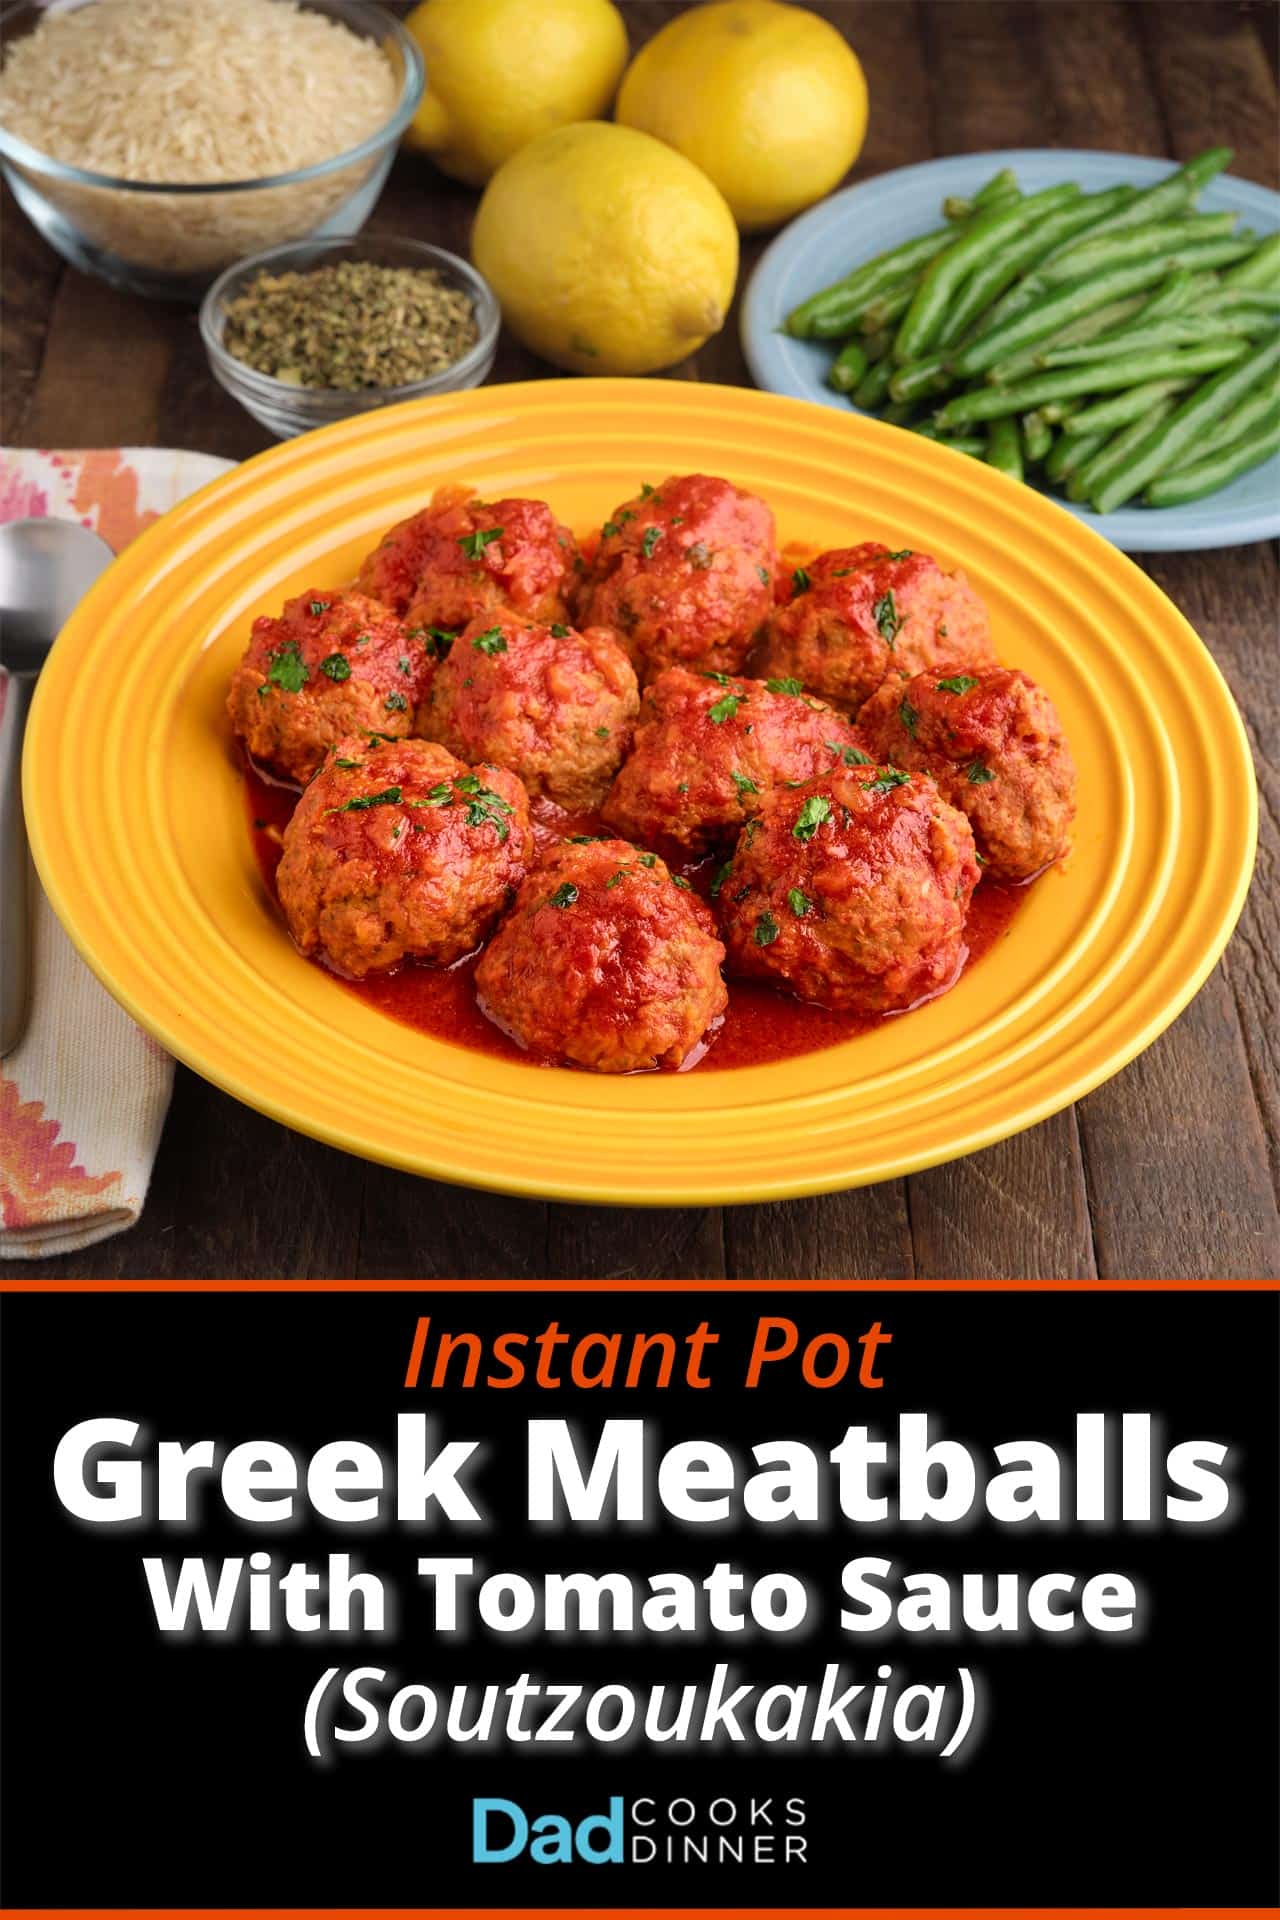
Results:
1170 1169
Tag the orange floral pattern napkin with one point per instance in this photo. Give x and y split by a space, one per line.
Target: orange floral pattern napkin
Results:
84 1096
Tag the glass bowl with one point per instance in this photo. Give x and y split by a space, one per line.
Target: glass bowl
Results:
286 409
168 242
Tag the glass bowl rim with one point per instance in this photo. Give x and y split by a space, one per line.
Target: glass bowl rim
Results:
18 151
265 387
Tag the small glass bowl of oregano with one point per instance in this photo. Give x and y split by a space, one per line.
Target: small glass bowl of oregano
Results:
318 330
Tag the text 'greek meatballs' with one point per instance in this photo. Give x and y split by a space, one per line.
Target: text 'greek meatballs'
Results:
852 891
400 852
554 705
684 575
462 558
606 961
710 747
857 613
330 665
993 742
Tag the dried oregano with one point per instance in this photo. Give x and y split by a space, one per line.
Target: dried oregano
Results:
352 325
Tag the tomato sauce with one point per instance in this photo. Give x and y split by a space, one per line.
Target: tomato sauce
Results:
759 1025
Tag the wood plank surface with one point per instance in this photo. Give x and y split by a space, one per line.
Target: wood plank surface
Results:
1173 1167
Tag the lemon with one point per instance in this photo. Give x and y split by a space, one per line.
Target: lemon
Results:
769 100
501 71
609 252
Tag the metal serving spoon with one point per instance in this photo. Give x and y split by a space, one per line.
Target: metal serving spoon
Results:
46 568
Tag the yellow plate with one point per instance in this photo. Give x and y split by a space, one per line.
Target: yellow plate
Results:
140 836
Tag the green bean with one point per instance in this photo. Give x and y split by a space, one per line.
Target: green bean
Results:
1056 411
1261 269
1116 450
975 444
1110 249
954 207
987 231
1176 190
1037 435
990 280
1192 483
1222 299
920 378
1134 404
876 345
848 367
898 415
1186 425
1069 454
873 389
1171 296
1000 184
1077 297
992 403
1088 327
1169 333
1004 448
887 307
837 307
1253 409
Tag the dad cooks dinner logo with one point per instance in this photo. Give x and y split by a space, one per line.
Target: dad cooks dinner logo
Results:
760 1831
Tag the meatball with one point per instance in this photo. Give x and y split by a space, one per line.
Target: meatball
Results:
852 891
857 612
461 558
555 705
331 664
397 851
993 742
605 961
684 575
709 748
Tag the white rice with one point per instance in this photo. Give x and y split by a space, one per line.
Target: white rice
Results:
193 92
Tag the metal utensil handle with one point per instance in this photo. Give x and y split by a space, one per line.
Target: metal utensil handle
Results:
15 892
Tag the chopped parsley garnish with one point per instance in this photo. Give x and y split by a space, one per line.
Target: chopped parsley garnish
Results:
485 808
978 775
645 490
395 703
491 641
841 573
389 738
438 640
584 839
958 683
852 756
602 733
766 930
564 895
981 859
648 859
886 780
799 903
559 632
439 796
764 575
743 782
347 764
719 877
885 614
318 607
699 554
750 831
288 669
903 553
741 894
784 686
909 717
800 582
609 528
721 679
627 514
403 663
942 630
652 535
389 797
363 639
725 708
615 879
337 666
474 544
678 880
683 787
815 810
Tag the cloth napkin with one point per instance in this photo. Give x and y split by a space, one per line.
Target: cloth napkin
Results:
84 1096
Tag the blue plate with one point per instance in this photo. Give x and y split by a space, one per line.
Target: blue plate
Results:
853 226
